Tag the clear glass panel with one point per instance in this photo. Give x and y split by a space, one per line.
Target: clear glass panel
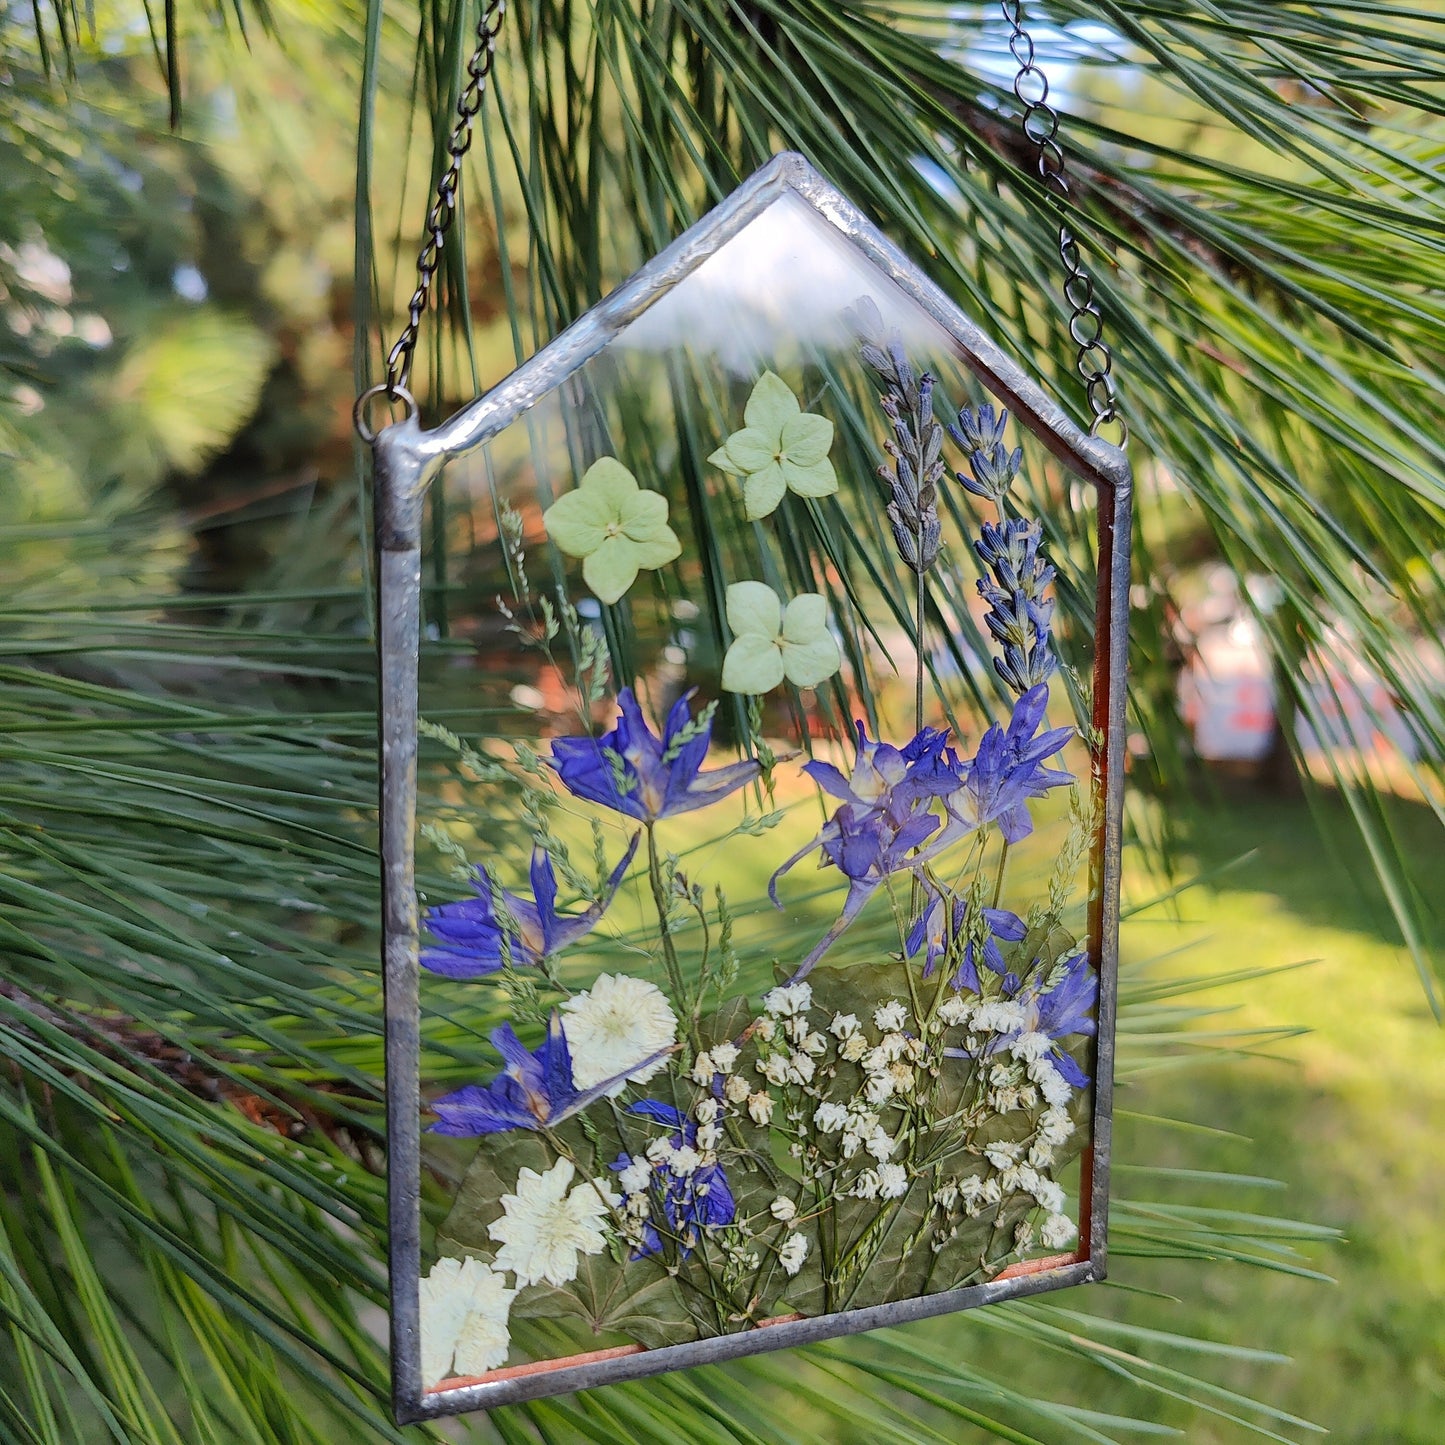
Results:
755 973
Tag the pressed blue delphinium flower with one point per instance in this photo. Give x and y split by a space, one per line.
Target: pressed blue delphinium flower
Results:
691 1187
475 940
1019 616
943 927
1008 770
533 1091
633 771
884 822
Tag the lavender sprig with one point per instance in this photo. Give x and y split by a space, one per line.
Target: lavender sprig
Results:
1018 614
916 447
991 466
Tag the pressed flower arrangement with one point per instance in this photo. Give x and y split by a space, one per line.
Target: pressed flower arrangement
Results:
773 881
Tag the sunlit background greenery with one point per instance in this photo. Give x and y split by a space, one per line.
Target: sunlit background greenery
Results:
191 1236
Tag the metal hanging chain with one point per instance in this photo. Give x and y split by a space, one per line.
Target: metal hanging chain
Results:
439 218
1094 362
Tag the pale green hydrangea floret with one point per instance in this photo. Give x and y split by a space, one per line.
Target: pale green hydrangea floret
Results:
615 526
772 642
781 448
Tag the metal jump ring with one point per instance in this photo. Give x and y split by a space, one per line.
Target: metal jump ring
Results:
391 392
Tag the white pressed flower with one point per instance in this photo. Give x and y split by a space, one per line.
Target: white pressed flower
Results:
830 1117
544 1228
999 1016
1001 1153
736 1089
763 1031
1009 1180
800 1069
970 1187
914 1048
464 1308
660 1151
795 1030
865 1186
890 1017
881 1146
783 1209
774 1068
760 1107
639 1206
1028 1097
724 1056
705 1110
955 1010
708 1136
947 1195
788 999
892 1181
1023 1235
703 1069
850 1144
879 1088
1058 1232
1052 1084
1042 1154
1055 1126
892 1046
902 1076
792 1253
875 1061
815 1044
844 1026
854 1047
1031 1045
1029 1179
635 1178
684 1161
614 1027
992 1191
1050 1194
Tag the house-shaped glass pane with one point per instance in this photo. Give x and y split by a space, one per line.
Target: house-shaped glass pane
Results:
765 928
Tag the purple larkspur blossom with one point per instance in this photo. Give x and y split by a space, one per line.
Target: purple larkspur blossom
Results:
1019 616
942 925
1008 770
533 1091
474 939
633 771
885 824
696 1200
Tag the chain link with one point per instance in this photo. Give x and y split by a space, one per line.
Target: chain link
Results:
1094 361
444 206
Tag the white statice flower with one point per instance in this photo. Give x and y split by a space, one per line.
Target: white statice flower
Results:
892 1181
703 1069
774 1068
1031 1045
1058 1232
1055 1126
1002 1153
760 1107
844 1026
881 1146
789 999
955 1010
685 1161
724 1056
708 1136
464 1308
783 1209
800 1069
891 1016
736 1089
815 1044
614 1027
544 1227
636 1177
705 1110
830 1117
865 1186
792 1252
879 1088
854 1047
